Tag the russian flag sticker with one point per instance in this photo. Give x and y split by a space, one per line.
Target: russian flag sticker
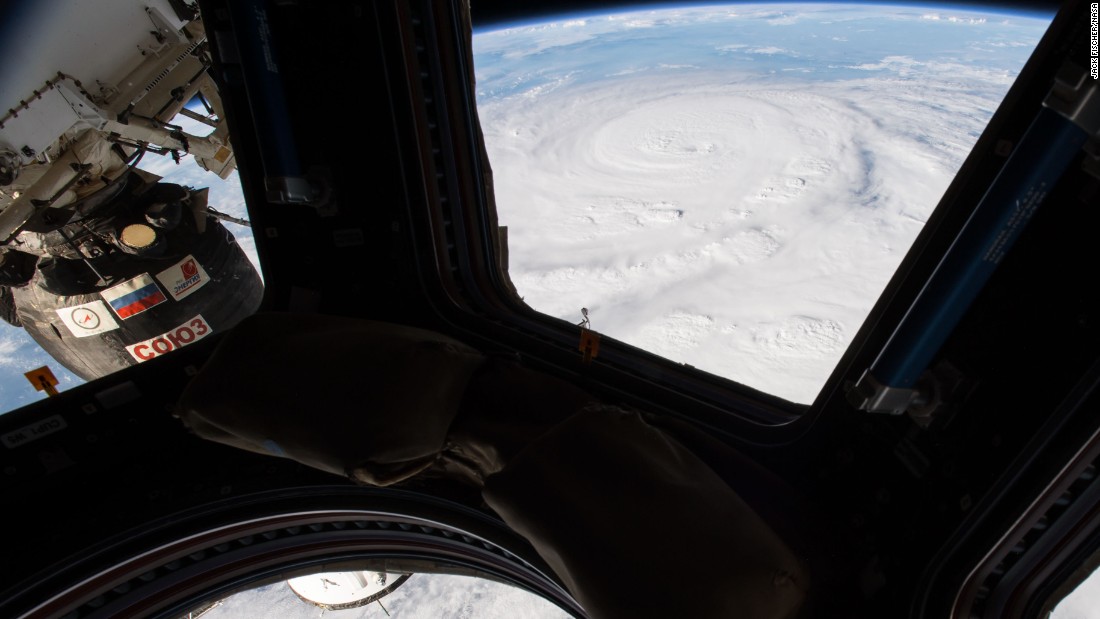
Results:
133 297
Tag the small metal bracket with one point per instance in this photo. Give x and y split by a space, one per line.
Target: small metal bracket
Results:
1076 97
314 189
868 394
289 190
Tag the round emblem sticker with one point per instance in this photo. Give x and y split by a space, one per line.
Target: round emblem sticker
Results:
85 318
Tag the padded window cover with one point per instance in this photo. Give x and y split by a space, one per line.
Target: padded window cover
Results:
333 393
633 522
637 526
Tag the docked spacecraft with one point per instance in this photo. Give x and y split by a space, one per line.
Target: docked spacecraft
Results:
101 263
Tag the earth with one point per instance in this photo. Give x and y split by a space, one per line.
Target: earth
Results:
731 187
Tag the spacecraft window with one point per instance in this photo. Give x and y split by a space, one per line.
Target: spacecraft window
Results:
373 594
732 187
103 265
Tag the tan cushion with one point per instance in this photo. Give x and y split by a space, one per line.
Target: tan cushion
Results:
348 396
637 526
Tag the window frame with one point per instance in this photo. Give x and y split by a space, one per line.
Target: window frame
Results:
472 256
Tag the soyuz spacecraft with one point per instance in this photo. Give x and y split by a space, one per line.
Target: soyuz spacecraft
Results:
102 264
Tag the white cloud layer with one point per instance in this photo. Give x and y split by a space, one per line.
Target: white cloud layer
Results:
721 215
